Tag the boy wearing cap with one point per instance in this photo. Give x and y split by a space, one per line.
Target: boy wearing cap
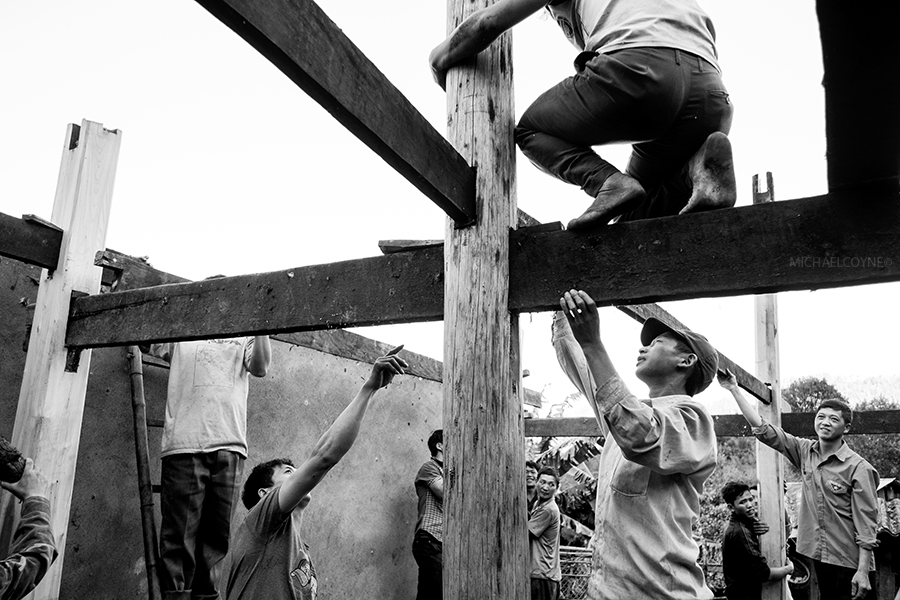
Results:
838 505
658 453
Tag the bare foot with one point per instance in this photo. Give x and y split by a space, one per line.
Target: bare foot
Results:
619 194
712 174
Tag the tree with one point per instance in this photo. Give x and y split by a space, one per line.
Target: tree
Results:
804 394
881 450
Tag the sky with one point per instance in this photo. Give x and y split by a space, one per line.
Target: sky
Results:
228 167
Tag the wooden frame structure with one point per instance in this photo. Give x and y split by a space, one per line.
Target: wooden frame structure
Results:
484 275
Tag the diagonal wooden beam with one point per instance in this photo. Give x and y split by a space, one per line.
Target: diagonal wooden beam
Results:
798 244
315 54
870 422
30 240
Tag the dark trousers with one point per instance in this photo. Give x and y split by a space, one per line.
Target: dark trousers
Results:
428 553
198 492
665 101
835 582
544 589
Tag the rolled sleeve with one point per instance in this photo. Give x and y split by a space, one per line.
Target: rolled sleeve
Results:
778 439
864 506
674 437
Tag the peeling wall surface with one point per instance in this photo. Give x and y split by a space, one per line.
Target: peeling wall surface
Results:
360 522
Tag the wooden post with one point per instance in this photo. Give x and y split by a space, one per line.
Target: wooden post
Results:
485 532
51 401
769 465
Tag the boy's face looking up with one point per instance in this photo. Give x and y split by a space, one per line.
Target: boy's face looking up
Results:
744 506
830 424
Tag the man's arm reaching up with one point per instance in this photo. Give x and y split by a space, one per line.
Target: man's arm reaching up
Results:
335 442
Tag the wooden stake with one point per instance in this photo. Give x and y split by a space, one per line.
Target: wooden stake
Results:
51 402
769 463
485 536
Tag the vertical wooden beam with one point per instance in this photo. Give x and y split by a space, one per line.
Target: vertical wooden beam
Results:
485 536
769 464
51 401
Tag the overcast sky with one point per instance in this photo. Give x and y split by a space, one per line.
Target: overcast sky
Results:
227 167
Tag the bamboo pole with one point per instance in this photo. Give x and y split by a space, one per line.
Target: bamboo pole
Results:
142 456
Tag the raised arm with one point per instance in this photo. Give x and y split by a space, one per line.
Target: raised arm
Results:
728 380
260 356
335 442
583 318
477 32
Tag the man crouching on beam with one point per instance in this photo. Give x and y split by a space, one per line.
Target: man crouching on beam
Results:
657 455
270 558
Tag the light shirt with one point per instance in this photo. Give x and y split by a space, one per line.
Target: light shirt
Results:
604 26
543 538
206 404
838 501
269 559
657 455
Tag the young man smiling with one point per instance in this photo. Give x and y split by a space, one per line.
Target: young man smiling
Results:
838 506
743 565
657 455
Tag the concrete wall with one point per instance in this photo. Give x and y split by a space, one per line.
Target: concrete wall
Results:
359 525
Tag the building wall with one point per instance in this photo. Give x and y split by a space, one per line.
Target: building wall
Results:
359 524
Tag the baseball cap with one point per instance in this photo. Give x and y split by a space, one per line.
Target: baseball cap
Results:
707 357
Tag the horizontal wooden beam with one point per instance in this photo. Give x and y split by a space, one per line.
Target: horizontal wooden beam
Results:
642 312
799 244
871 422
315 54
30 240
813 243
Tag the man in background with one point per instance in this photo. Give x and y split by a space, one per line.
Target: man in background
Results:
428 539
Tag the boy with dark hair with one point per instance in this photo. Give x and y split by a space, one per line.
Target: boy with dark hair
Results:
428 540
543 537
838 507
269 557
743 566
658 453
531 475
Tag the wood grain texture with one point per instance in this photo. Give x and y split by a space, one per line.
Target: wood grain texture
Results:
30 241
51 401
485 551
812 243
315 54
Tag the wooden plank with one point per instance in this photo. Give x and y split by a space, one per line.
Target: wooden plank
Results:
51 401
871 422
315 54
30 240
399 288
860 46
769 463
642 312
485 551
124 272
813 243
